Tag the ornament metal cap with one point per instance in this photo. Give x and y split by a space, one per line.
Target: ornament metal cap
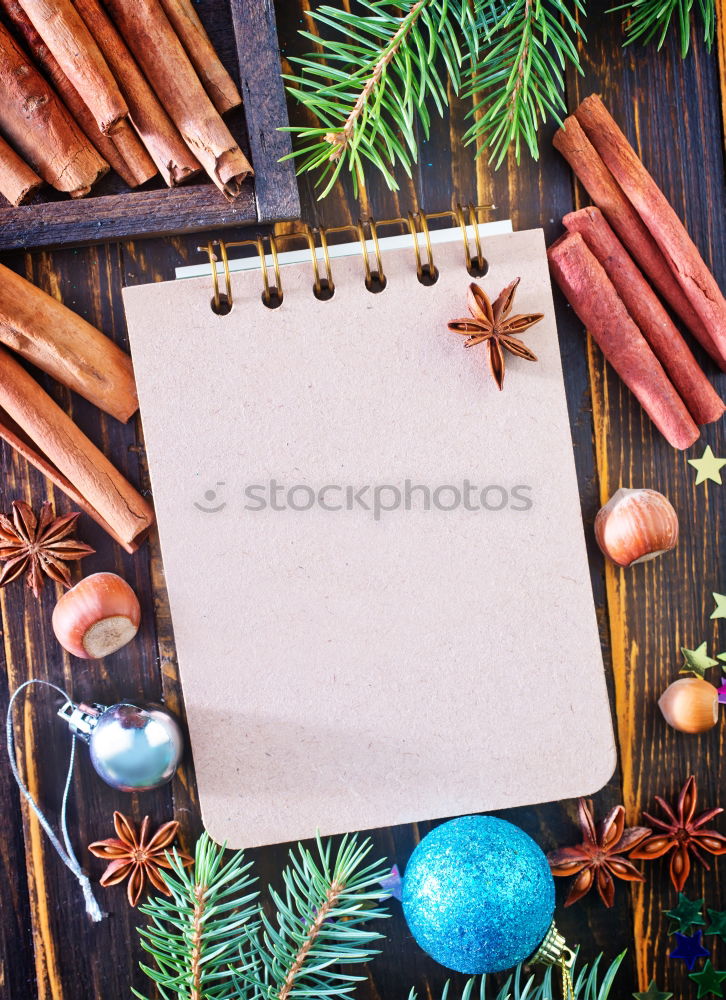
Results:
81 718
553 949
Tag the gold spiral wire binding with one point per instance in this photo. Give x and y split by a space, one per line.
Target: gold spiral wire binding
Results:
373 226
213 259
356 229
364 250
268 291
426 271
326 253
473 222
480 259
430 268
414 236
379 273
318 287
459 213
215 277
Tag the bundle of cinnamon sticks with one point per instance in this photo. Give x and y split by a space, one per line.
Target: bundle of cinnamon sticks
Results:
90 85
613 259
61 343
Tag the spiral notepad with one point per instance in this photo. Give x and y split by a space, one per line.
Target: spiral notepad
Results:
375 559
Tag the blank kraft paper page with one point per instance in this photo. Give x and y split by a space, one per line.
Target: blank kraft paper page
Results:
375 559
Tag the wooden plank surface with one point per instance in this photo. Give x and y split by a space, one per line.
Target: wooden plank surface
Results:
48 949
659 607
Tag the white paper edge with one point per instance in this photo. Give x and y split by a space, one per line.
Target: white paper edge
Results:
302 256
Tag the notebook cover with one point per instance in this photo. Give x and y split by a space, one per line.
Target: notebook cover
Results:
360 667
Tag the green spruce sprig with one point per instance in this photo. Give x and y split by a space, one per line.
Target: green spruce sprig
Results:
651 19
516 987
212 940
319 925
194 937
369 81
518 79
373 74
587 984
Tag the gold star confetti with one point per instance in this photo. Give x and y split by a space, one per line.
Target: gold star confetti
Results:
697 661
708 467
720 609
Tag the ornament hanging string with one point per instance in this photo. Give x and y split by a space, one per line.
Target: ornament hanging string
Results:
568 989
66 854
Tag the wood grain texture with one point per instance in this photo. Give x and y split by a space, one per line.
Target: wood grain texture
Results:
667 603
721 45
672 111
264 102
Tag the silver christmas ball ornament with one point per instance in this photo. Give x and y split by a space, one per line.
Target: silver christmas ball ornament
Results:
133 749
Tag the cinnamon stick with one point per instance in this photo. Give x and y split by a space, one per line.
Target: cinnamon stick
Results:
215 79
40 128
124 151
654 209
67 449
153 41
65 346
131 161
593 297
701 399
64 32
600 184
18 181
160 136
21 443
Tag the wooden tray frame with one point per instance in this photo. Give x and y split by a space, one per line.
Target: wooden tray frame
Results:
270 196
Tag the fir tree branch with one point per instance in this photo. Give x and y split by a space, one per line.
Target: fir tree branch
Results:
194 937
341 140
587 984
370 82
197 942
318 927
648 19
518 81
332 896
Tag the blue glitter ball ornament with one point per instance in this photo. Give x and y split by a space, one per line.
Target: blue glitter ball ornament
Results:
478 895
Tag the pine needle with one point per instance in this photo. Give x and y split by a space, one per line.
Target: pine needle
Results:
370 81
651 19
320 924
587 984
194 937
518 81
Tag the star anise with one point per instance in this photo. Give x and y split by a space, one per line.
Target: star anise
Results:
597 859
682 834
37 545
492 325
137 857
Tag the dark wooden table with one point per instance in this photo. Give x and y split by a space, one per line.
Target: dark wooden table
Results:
48 948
